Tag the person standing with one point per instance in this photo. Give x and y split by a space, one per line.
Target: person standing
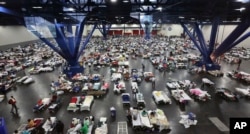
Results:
239 62
153 82
12 101
143 67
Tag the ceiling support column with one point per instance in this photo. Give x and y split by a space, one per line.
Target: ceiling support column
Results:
202 45
104 28
68 44
228 43
147 25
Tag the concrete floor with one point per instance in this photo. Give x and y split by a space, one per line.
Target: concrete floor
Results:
27 96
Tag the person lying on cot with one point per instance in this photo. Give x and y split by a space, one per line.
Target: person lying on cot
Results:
31 123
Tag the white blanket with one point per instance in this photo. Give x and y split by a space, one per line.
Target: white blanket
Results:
161 96
207 81
48 127
87 103
116 76
187 122
242 91
180 95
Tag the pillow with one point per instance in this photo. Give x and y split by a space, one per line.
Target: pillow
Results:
72 105
46 100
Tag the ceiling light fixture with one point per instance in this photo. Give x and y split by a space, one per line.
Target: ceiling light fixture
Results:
68 9
243 1
125 1
241 9
3 3
37 7
181 17
159 8
113 1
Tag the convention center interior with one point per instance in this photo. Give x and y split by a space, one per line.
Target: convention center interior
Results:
124 66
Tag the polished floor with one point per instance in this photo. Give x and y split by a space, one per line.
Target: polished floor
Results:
28 95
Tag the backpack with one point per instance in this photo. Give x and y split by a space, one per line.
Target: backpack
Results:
10 101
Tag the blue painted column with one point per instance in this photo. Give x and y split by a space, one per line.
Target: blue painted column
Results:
202 41
214 29
202 46
191 37
10 12
147 30
68 44
86 41
225 45
104 28
239 40
147 24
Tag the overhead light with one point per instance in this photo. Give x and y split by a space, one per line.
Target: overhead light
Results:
159 8
3 3
113 1
241 9
102 6
125 1
192 18
181 17
66 18
66 9
60 13
37 7
243 1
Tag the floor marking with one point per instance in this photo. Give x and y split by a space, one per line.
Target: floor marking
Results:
220 125
122 128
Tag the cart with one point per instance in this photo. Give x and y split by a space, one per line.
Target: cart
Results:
126 99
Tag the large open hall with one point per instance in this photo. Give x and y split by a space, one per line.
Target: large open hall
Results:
124 67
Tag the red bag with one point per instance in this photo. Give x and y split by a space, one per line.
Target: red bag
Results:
10 101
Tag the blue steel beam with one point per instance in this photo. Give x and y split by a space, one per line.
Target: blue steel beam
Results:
193 32
108 28
147 31
191 37
230 39
10 12
100 29
61 41
201 37
71 41
213 35
201 40
104 31
52 46
86 41
78 39
238 41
